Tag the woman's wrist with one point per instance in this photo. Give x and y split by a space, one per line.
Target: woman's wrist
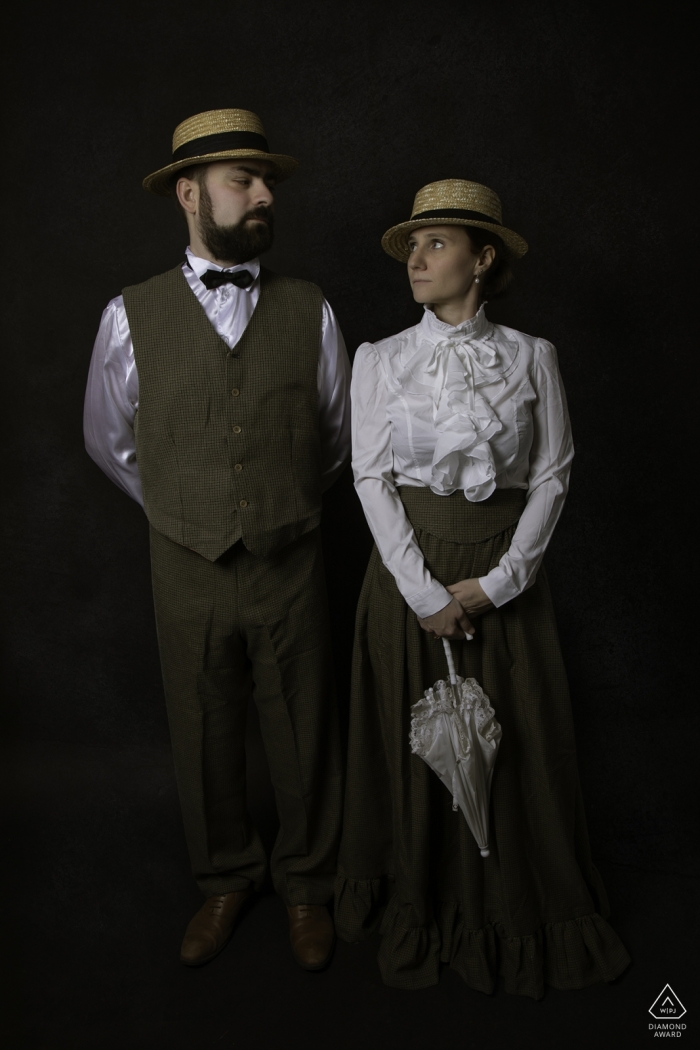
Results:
498 587
471 596
431 601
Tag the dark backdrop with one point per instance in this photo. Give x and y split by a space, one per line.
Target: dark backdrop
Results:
578 115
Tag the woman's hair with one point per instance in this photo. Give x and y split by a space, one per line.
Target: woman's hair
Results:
496 280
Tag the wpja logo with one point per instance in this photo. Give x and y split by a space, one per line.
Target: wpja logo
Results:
668 1010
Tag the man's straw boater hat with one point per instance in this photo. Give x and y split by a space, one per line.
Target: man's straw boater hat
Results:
453 202
218 134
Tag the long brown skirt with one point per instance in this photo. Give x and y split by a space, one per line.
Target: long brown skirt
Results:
534 911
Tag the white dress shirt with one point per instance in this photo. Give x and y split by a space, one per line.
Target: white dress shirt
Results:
112 396
474 408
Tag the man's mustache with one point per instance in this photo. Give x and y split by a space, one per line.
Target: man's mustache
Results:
266 214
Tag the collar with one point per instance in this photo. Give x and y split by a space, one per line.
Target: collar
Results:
200 266
434 329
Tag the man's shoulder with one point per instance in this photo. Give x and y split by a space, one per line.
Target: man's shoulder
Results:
159 282
292 285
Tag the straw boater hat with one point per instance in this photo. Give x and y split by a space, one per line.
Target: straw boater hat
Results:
218 134
453 202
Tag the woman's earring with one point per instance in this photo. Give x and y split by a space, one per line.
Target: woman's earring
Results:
476 279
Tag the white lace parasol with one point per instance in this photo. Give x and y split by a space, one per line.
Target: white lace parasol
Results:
454 730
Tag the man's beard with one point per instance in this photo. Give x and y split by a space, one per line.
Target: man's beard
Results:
237 243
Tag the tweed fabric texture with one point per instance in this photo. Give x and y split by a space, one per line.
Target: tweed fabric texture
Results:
255 626
227 441
535 909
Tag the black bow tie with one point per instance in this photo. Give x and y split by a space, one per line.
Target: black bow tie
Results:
215 278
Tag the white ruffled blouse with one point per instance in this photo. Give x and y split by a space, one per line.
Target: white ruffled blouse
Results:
476 407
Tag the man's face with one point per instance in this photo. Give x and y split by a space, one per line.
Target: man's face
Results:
238 187
232 208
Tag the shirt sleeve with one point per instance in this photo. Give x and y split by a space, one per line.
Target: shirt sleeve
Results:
111 402
551 454
333 399
372 463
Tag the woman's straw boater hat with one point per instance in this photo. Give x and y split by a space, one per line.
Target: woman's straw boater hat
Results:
218 134
453 202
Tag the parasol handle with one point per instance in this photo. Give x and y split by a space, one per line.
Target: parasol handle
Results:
450 661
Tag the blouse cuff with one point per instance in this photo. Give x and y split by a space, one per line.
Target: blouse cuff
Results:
430 601
499 587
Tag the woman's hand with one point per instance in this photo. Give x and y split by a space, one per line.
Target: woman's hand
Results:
450 622
471 596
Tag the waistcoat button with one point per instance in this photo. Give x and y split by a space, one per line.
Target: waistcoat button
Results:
243 503
236 429
235 392
238 467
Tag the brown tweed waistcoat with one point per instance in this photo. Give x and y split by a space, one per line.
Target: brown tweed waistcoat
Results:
227 441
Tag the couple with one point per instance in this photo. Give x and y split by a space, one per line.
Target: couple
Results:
218 397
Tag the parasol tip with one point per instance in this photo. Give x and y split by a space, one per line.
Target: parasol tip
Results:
485 852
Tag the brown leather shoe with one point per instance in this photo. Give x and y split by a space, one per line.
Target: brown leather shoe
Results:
210 929
311 934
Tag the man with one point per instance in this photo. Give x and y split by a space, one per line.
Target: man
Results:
218 398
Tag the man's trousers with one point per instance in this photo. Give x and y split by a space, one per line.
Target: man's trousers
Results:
241 626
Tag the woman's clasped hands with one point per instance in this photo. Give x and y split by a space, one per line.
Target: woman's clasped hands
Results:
455 620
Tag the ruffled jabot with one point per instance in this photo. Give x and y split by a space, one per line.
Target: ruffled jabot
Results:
452 364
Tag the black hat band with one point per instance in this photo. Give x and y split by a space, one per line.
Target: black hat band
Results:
219 143
455 213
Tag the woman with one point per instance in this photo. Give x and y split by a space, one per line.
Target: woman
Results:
462 451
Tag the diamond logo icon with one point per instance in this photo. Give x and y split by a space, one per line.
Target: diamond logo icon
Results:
667 1006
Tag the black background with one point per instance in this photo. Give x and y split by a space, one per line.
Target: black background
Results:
579 116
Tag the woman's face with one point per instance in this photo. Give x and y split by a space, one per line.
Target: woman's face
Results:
442 265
